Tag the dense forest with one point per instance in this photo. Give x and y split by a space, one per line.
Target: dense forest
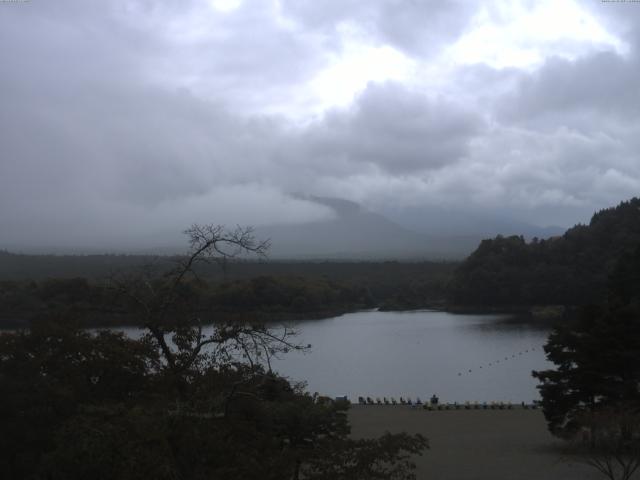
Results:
567 270
264 290
266 297
380 276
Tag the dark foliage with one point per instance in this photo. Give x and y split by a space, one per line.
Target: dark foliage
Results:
49 374
177 403
596 351
78 406
269 297
100 304
567 270
612 443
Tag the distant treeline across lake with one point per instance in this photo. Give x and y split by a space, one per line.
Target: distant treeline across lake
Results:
34 285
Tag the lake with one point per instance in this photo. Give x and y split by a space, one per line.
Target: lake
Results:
419 353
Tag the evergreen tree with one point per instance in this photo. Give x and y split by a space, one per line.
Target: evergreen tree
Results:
596 351
569 270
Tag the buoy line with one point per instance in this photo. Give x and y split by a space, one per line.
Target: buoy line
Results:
507 358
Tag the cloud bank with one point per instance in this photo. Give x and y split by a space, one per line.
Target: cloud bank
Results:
129 119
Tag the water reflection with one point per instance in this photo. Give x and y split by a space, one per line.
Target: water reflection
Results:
458 357
418 353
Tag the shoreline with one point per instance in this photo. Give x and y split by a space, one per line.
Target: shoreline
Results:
95 318
534 315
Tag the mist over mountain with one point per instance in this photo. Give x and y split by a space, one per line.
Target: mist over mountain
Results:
449 222
350 232
358 233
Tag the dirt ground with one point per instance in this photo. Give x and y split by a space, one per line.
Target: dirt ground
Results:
476 444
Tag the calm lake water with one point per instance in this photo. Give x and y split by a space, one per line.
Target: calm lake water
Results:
417 353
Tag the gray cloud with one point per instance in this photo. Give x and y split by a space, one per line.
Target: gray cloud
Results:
137 118
94 148
578 128
620 17
602 84
416 27
392 129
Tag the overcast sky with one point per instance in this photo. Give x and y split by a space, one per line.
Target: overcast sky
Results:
124 118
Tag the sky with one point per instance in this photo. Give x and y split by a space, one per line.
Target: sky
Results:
131 118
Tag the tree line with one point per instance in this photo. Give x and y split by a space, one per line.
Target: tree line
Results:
265 297
270 297
569 270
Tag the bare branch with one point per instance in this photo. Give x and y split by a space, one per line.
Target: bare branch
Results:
159 299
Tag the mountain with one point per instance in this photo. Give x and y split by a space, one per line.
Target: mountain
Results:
357 233
353 233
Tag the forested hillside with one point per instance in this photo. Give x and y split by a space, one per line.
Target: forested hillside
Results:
571 269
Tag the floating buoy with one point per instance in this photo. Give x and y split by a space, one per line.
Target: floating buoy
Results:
495 362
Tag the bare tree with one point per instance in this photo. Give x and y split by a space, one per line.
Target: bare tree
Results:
609 441
163 304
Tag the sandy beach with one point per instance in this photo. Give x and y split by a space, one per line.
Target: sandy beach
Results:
476 444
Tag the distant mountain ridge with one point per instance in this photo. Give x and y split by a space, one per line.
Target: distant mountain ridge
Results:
354 233
358 233
449 222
